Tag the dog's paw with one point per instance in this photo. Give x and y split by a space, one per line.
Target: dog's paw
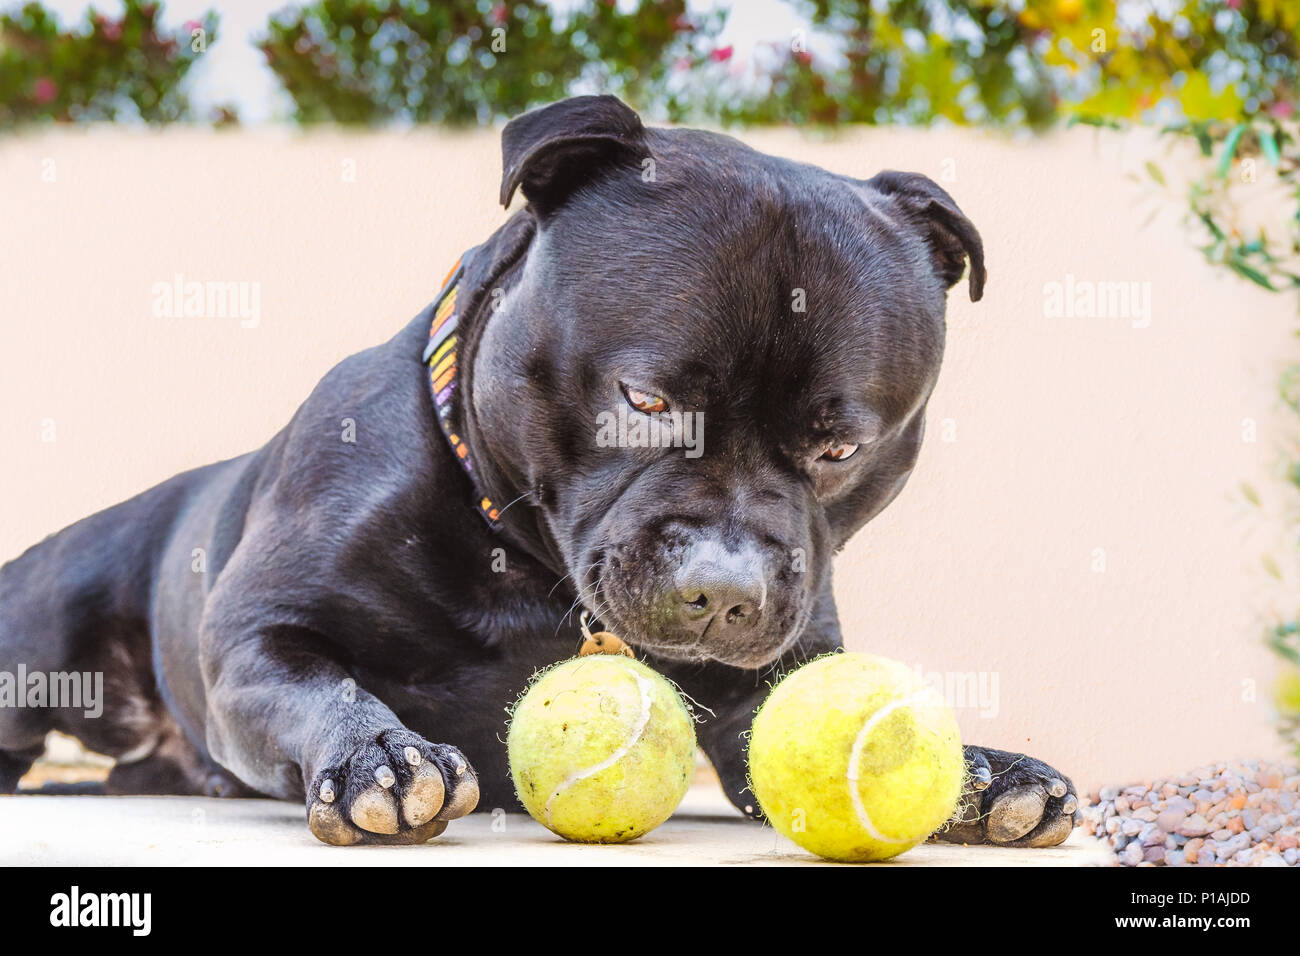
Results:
396 788
1012 800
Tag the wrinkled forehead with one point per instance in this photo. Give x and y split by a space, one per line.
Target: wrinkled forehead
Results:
796 288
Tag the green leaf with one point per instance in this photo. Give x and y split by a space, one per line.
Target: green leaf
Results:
1250 494
1254 275
1203 140
1211 225
1268 143
1283 646
1229 149
1154 172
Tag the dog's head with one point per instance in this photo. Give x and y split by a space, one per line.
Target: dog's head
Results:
710 369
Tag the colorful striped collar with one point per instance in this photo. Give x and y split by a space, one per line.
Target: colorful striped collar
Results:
440 358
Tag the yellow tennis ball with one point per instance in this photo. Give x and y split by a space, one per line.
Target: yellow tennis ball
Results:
855 758
602 749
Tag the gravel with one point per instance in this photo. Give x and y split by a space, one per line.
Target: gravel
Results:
1238 813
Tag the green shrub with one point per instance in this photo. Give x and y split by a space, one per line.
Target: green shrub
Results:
107 69
461 61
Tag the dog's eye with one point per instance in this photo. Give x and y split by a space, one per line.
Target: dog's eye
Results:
840 451
644 401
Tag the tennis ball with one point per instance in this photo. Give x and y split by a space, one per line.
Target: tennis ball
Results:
855 758
601 749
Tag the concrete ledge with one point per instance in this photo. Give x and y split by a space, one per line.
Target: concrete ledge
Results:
195 831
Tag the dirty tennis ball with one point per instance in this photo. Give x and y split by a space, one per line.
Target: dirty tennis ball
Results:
602 749
855 758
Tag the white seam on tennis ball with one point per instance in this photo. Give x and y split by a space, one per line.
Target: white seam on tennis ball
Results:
858 743
646 687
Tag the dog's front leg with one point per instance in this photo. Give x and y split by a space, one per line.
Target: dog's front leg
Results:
288 720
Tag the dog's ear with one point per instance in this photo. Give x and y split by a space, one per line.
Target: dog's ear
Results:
951 236
551 151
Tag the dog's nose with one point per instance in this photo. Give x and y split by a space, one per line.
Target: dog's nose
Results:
720 592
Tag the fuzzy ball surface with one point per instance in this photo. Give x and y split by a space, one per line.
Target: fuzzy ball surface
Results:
855 758
601 748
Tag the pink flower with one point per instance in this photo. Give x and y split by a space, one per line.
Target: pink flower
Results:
803 57
44 90
1234 4
192 25
722 54
112 30
500 14
1282 109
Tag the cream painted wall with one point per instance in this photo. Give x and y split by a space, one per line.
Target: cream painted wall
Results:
1049 438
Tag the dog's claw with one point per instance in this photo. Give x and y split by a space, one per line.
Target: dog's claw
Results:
327 791
464 797
1070 805
1056 787
385 777
412 756
980 778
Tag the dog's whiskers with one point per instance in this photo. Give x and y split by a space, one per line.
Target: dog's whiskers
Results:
515 502
581 599
573 574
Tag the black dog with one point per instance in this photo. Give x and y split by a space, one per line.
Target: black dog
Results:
668 390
